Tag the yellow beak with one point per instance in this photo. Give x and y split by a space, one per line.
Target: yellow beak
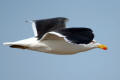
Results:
104 47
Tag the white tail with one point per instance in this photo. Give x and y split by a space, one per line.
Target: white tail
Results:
23 44
8 43
14 45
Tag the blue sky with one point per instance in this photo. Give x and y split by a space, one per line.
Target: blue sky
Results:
103 16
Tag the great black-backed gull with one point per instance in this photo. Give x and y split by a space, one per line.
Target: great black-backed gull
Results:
51 36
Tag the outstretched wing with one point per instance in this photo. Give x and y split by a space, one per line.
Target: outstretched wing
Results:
40 27
77 35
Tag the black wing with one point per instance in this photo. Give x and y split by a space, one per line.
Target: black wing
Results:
78 35
46 25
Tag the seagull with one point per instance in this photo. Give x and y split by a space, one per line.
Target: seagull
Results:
52 36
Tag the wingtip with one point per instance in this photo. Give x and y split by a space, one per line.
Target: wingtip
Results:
29 21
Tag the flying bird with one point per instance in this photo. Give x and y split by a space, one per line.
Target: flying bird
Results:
52 36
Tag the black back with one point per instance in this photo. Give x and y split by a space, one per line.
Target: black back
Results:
47 25
77 35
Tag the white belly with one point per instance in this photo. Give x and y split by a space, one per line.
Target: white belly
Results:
60 47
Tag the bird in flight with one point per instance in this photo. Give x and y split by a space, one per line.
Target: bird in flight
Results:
52 36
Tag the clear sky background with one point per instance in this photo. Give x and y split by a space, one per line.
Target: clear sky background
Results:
103 16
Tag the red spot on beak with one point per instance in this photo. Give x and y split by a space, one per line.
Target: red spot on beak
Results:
105 48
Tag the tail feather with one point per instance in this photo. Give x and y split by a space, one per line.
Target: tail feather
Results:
8 43
14 45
